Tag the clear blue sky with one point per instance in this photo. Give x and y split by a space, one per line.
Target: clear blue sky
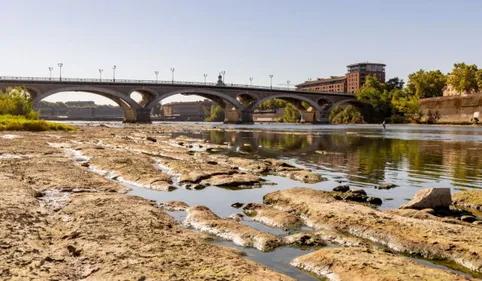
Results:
294 40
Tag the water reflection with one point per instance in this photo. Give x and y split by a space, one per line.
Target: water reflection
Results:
364 156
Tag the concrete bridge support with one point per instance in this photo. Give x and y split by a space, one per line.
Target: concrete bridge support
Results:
143 115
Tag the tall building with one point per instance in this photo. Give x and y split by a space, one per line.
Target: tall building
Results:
357 73
350 83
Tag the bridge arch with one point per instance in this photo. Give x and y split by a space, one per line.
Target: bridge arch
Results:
147 95
129 105
231 106
310 115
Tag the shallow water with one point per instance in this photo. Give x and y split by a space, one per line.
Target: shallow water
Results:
412 157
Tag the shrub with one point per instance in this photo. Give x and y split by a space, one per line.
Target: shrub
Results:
16 101
345 115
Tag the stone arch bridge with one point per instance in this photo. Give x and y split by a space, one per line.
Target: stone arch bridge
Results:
238 101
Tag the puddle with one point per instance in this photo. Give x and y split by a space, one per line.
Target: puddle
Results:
279 259
9 137
14 156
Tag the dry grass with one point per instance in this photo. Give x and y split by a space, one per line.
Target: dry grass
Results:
20 123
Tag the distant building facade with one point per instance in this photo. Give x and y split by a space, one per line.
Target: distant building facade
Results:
350 83
194 111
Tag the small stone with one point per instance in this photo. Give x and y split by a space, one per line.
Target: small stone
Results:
358 191
374 200
85 164
151 139
342 188
468 218
212 162
428 211
180 143
237 205
236 217
386 186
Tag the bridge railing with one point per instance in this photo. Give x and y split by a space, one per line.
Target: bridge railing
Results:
134 81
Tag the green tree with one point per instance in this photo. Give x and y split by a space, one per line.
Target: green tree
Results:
345 115
394 83
375 95
406 105
479 79
16 101
291 114
426 84
464 78
216 114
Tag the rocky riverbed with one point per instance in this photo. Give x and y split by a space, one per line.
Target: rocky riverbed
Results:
66 214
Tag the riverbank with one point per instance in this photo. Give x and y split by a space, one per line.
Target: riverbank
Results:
61 221
70 213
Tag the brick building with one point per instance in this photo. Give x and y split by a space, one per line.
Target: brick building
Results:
350 83
357 73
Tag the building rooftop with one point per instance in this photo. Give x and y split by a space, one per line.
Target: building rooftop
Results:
322 80
360 63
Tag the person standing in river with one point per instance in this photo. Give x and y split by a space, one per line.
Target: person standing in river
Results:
383 124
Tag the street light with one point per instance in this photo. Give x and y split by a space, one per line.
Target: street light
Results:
157 74
205 75
224 74
250 81
100 73
60 65
172 69
271 81
113 73
50 69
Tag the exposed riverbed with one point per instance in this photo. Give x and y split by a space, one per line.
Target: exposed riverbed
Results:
410 157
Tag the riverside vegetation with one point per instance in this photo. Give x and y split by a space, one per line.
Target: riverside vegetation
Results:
66 215
17 114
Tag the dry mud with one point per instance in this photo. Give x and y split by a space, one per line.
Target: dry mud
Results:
361 264
429 238
471 199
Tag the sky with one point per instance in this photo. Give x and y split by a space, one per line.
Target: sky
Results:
293 40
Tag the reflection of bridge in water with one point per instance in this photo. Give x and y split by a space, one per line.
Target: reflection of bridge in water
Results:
238 101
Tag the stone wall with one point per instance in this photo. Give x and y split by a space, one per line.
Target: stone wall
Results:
453 109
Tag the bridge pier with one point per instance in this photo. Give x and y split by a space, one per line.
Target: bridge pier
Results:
143 115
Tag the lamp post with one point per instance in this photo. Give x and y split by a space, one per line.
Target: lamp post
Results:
271 81
172 69
50 70
100 74
251 81
205 75
60 66
288 83
224 74
113 73
157 75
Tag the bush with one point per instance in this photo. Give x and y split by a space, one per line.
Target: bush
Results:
216 114
20 123
291 114
345 115
16 101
